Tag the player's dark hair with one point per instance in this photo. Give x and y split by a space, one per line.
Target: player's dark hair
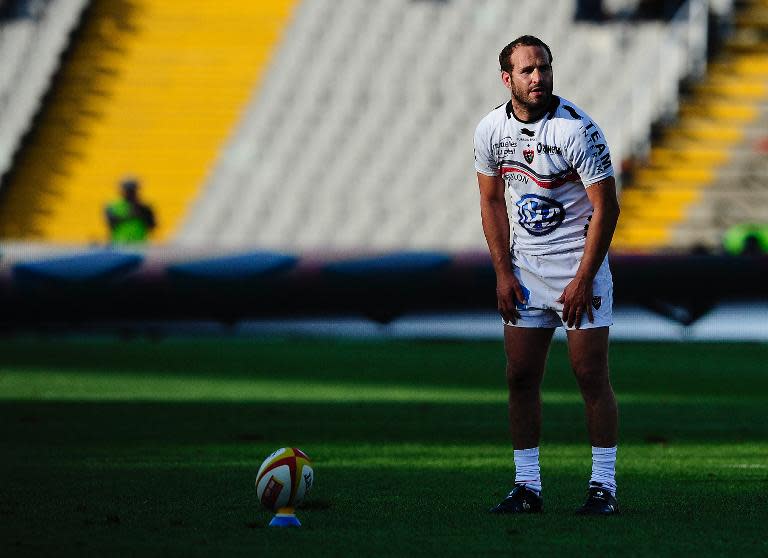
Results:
525 40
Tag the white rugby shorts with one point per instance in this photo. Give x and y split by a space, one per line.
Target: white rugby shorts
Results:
543 280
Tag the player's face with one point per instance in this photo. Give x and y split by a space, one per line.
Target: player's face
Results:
531 78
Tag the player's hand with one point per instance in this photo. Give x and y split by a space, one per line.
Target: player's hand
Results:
577 300
508 292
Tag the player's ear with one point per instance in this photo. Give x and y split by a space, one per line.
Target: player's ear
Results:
506 78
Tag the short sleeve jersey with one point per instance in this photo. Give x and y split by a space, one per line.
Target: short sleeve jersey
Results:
546 166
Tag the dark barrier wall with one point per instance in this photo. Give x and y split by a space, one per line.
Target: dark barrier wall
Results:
172 284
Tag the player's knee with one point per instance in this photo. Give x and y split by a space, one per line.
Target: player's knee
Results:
593 382
521 379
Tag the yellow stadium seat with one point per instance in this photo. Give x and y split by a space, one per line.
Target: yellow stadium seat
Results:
150 89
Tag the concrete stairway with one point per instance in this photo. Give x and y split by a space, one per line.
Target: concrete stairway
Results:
150 88
671 202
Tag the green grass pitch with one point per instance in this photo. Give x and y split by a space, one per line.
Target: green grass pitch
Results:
150 448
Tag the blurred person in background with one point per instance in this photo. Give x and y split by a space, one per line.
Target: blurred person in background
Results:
552 266
129 220
746 239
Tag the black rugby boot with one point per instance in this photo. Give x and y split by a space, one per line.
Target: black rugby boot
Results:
520 500
599 502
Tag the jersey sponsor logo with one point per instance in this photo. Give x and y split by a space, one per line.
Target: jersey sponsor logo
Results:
517 176
539 215
527 132
505 147
516 170
528 154
549 149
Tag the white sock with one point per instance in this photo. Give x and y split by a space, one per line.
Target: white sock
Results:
604 468
527 471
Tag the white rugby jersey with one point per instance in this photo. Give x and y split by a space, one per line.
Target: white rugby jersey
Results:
545 166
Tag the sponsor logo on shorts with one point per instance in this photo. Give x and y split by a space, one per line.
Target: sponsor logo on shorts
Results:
539 215
523 304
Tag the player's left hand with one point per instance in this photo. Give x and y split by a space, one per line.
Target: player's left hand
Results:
577 300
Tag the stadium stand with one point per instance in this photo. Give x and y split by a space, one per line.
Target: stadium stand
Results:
358 132
380 120
149 88
31 43
706 174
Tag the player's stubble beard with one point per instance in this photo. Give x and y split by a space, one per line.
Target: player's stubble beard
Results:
532 106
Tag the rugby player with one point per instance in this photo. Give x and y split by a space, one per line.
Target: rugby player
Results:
551 265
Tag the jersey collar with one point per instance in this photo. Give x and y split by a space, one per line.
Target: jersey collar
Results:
554 103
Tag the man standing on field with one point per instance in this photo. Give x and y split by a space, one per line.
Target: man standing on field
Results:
552 268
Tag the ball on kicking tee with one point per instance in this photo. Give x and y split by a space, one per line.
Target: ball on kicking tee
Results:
284 479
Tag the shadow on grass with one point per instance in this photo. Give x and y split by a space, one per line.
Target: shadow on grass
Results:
721 369
32 423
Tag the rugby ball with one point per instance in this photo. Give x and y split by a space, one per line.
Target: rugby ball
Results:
284 479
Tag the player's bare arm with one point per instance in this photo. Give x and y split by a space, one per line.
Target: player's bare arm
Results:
493 211
577 296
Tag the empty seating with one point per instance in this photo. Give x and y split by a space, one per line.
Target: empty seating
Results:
361 135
